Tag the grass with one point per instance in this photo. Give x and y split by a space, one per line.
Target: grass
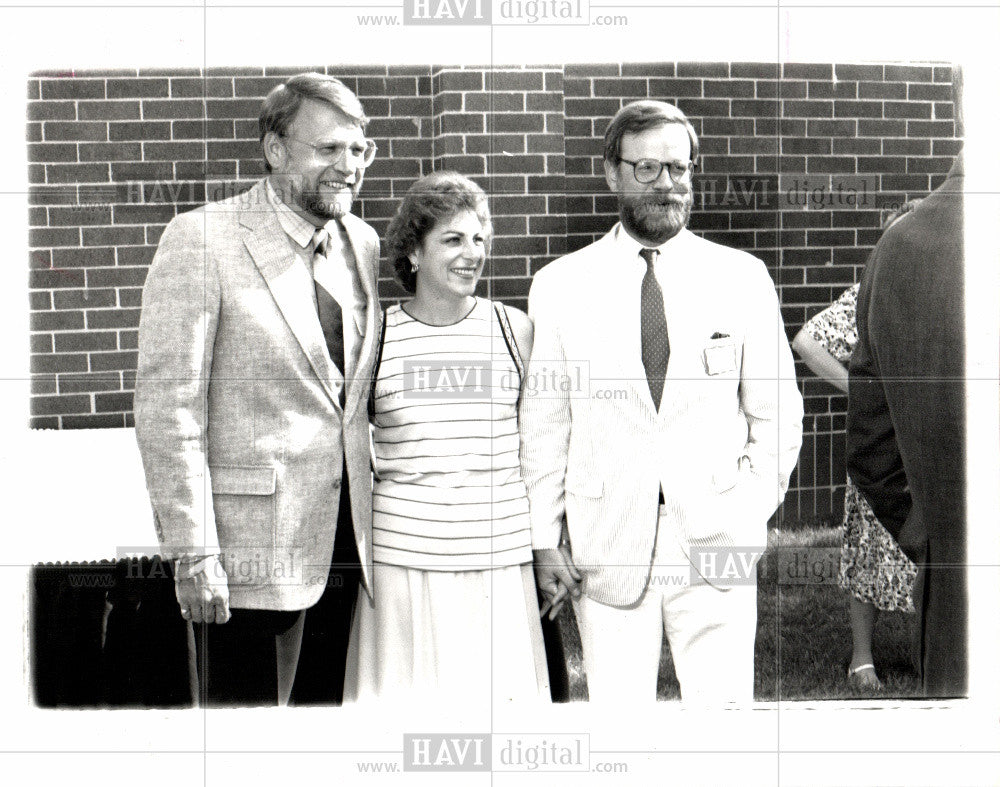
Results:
803 635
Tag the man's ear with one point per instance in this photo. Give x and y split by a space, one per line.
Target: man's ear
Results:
275 151
611 175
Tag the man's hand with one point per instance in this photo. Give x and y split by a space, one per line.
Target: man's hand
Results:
557 576
204 593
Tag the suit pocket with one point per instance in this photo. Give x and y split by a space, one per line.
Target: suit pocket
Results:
244 500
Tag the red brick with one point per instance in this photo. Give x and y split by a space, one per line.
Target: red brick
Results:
523 124
88 383
173 109
703 70
837 90
54 237
882 163
881 128
203 129
161 170
930 128
116 277
72 88
86 341
946 147
43 384
93 421
592 70
515 80
56 131
174 151
859 72
200 170
214 87
891 90
458 81
51 151
77 173
578 88
53 364
906 147
130 297
105 362
89 215
807 109
729 88
138 131
755 108
545 143
385 128
493 102
544 102
113 402
110 151
59 405
592 107
807 71
928 165
621 88
83 258
128 340
84 299
108 110
908 109
860 146
138 88
41 343
905 183
700 107
909 73
51 110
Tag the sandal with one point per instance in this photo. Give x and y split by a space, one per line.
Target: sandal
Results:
864 678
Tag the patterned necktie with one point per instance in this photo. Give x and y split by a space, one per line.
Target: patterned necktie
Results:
331 317
655 344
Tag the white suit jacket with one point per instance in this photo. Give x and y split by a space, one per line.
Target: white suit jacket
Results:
237 409
594 448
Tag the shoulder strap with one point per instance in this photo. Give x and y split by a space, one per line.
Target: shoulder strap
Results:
508 338
377 366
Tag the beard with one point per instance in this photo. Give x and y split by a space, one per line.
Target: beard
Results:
325 207
655 218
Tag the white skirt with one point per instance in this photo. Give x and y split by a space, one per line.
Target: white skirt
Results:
466 638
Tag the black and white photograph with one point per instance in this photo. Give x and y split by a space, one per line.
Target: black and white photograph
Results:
515 389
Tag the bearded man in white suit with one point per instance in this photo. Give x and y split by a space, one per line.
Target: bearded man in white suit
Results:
667 469
256 343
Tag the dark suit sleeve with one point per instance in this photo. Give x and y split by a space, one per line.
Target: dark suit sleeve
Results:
874 461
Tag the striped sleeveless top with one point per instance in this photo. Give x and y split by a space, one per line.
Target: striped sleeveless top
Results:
448 493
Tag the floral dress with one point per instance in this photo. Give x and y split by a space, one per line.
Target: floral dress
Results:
872 566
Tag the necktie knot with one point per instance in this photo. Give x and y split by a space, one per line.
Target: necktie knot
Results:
649 255
321 241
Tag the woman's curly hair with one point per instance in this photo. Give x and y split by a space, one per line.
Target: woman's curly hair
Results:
434 197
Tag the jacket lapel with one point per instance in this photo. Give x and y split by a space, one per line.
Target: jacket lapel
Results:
357 383
290 284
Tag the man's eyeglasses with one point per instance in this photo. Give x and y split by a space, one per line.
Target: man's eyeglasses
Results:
331 152
648 170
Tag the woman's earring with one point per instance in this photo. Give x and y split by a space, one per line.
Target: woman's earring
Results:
416 267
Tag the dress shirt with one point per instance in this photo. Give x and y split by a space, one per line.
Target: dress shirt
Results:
344 285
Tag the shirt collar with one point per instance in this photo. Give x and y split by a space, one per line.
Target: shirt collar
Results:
297 228
630 247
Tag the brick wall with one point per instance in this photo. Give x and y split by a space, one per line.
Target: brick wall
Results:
113 156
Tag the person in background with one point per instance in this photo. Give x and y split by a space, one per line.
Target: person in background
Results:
873 569
456 619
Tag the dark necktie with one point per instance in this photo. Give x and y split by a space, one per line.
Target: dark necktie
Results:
655 344
331 317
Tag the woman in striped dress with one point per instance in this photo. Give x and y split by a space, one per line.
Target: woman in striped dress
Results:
455 613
